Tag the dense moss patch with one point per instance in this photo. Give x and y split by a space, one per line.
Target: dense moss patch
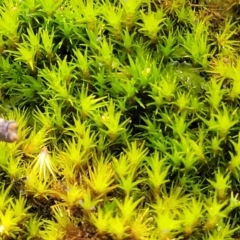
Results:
128 116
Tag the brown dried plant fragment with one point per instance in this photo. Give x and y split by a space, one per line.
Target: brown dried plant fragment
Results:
8 131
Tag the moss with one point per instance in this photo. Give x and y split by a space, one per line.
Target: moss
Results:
128 119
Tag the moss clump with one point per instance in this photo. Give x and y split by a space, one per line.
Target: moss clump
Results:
128 116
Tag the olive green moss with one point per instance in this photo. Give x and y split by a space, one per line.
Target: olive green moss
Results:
128 115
